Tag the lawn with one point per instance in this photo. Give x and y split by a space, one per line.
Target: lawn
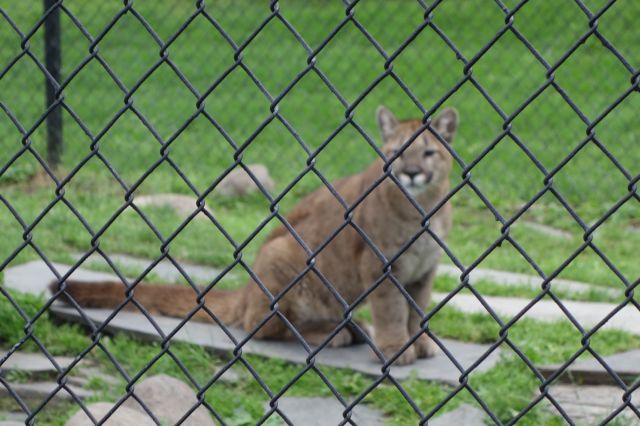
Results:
590 184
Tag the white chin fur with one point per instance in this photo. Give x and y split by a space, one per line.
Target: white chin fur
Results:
415 187
404 180
415 190
420 179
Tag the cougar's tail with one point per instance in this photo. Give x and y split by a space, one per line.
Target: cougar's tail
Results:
170 300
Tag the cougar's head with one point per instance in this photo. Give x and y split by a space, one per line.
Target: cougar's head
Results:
425 161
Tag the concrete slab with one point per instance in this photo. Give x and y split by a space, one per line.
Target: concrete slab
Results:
588 314
164 269
34 277
318 411
590 405
531 281
465 414
625 364
357 358
39 391
35 364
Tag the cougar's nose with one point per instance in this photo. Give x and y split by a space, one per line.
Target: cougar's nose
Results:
412 173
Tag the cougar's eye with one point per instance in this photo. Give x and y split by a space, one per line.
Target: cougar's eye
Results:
429 152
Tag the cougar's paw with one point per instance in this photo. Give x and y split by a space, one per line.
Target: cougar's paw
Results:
406 357
316 338
360 331
425 347
343 338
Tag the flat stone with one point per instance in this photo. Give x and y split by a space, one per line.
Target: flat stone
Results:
182 205
591 404
40 390
531 281
35 364
325 411
465 414
238 182
34 277
163 269
548 230
12 416
123 416
169 399
588 314
11 423
625 364
358 358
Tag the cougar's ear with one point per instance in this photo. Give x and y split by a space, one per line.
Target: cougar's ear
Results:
446 124
386 122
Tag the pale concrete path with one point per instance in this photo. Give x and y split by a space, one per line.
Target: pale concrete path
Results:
358 357
514 279
588 314
35 276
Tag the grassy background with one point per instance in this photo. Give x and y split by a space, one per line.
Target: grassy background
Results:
592 77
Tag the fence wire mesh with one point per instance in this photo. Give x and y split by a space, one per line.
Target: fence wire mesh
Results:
173 96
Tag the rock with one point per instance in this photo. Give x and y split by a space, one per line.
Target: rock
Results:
238 182
465 414
325 411
11 423
35 364
169 399
123 416
183 205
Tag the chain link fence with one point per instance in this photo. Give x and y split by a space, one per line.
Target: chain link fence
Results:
142 98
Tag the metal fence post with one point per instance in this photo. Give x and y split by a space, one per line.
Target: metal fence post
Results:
53 62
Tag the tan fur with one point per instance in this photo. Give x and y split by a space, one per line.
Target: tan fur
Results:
347 261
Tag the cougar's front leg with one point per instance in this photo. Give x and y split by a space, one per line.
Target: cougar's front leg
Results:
420 291
390 311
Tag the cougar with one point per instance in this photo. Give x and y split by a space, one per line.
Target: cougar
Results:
350 263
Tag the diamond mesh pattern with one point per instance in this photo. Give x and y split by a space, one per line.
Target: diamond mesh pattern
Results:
138 93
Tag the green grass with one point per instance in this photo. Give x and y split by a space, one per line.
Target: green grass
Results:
549 128
508 72
506 388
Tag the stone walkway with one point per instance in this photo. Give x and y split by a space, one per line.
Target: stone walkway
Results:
590 405
318 411
464 415
168 272
164 269
591 371
588 314
513 279
587 403
358 358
